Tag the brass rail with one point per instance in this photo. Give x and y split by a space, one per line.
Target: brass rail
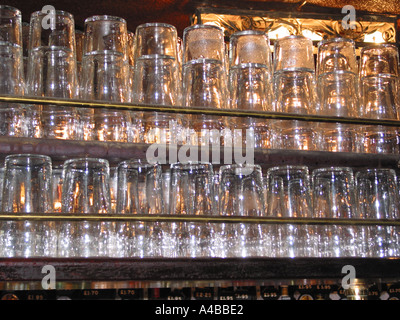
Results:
195 110
191 218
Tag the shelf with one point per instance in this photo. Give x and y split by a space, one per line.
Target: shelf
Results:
195 110
61 150
196 269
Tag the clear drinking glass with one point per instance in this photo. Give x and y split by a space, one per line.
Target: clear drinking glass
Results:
204 84
52 72
241 193
337 137
106 33
12 116
11 25
377 139
294 135
156 39
377 198
157 80
334 197
250 87
203 42
295 92
86 190
250 46
12 80
105 78
337 54
250 71
27 189
379 97
293 53
289 196
191 193
379 59
338 94
379 72
139 193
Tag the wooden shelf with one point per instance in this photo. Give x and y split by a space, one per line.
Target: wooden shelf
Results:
196 269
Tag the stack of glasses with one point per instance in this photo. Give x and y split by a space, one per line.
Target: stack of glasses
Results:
88 186
106 62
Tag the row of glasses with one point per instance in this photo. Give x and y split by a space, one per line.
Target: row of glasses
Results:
111 60
85 186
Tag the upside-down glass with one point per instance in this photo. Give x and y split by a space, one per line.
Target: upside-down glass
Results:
379 72
12 80
379 59
379 97
250 87
105 78
294 135
334 198
11 70
52 72
12 120
204 83
337 54
289 196
338 94
203 42
241 193
162 128
156 39
293 53
139 193
252 132
27 189
337 137
86 190
192 194
156 80
377 139
11 25
250 46
377 198
295 92
106 33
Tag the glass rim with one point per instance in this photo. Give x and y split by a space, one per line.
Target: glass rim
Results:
333 169
135 163
376 170
240 165
58 13
12 9
28 157
190 164
288 167
104 17
100 162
